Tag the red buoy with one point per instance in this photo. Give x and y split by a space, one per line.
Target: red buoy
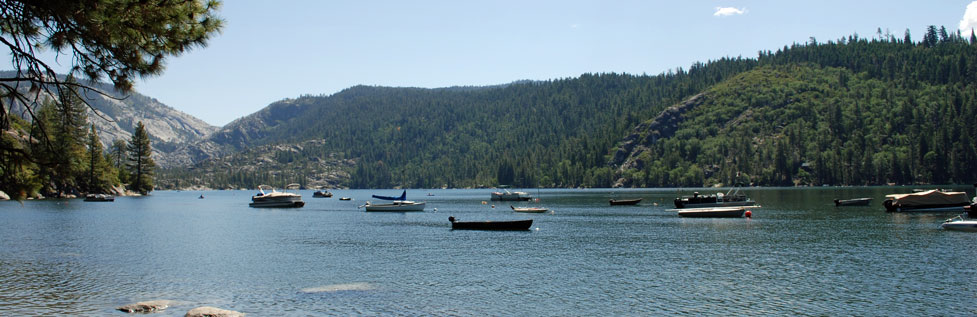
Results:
749 214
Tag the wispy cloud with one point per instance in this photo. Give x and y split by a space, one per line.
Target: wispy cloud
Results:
727 11
969 21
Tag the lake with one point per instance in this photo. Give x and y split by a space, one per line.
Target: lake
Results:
799 254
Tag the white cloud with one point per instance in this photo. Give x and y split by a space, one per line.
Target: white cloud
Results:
727 11
969 21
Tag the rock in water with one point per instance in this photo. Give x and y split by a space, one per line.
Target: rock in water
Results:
145 307
207 311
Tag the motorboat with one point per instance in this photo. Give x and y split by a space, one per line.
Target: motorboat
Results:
714 212
730 199
513 225
321 194
268 197
397 205
345 198
511 196
853 202
529 209
959 224
930 200
99 197
624 202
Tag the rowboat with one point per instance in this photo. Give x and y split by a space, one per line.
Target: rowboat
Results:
714 212
621 202
514 225
853 202
528 209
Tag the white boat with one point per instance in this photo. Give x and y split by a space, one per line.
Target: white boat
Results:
714 212
511 196
268 197
397 205
959 224
529 209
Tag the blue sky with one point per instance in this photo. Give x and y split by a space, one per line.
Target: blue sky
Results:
271 50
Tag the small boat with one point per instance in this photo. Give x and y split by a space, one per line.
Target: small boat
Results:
713 212
853 202
397 205
99 197
622 202
345 198
529 209
321 194
511 196
959 224
514 225
276 199
931 200
729 199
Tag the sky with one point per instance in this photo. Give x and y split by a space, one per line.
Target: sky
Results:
273 50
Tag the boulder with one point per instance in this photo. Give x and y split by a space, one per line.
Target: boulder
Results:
4 196
207 311
145 307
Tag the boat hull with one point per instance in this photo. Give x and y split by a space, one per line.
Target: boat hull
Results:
961 225
718 212
624 202
277 204
510 197
853 202
516 225
890 207
395 207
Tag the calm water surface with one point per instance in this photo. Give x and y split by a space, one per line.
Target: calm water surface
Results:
798 255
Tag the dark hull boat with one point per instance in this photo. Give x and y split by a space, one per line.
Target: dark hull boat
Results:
730 199
514 225
624 202
853 202
321 194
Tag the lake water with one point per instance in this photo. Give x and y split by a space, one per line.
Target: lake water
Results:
798 255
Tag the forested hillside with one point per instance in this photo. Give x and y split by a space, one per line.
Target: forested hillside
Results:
852 111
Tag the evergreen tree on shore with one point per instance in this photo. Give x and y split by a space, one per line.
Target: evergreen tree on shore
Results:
140 163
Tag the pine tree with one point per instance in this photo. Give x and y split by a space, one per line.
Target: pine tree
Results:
140 162
100 172
61 156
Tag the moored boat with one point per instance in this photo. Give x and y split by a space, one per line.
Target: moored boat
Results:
397 205
622 202
513 225
321 194
511 196
931 200
731 198
714 212
853 202
276 199
959 224
529 209
99 197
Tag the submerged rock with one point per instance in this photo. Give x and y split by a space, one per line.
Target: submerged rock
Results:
145 307
207 311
